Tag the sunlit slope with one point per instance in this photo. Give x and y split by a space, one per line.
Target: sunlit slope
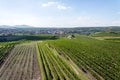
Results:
55 66
101 58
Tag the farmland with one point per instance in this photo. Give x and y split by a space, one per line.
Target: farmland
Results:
5 48
21 64
56 67
59 39
101 58
104 34
79 58
110 36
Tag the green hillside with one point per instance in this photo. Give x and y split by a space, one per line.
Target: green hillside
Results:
101 58
104 34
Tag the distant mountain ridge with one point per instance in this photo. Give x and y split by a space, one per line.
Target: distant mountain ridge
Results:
16 26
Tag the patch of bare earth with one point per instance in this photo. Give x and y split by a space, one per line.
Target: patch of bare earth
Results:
36 69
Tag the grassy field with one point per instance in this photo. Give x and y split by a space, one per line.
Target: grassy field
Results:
109 36
104 34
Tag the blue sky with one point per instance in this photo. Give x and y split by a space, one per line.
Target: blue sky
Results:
60 13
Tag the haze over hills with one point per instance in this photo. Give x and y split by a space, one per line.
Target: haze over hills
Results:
16 26
29 26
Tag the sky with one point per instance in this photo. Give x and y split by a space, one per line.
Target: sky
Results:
60 13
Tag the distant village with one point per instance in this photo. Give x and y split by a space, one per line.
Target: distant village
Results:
61 31
8 32
32 31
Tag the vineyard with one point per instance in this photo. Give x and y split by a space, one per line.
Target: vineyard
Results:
79 58
21 64
56 67
5 49
101 58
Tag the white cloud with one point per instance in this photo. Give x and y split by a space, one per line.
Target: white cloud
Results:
57 5
61 7
49 4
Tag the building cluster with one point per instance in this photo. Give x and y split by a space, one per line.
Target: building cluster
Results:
7 32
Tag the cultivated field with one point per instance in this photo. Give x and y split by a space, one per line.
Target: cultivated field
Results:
101 58
54 65
5 49
21 64
78 58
